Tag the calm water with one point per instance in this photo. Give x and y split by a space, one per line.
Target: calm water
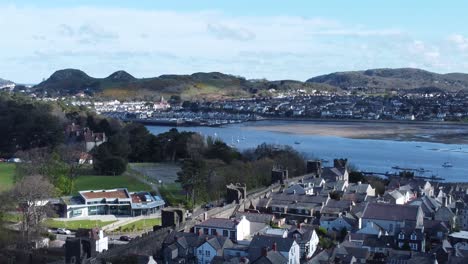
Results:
368 155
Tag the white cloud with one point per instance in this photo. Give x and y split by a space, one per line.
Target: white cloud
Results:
150 42
460 41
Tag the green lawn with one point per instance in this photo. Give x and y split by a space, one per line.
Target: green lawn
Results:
11 217
94 182
7 170
76 224
140 225
172 193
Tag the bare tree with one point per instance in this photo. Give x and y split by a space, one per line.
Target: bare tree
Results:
71 154
31 195
196 146
33 161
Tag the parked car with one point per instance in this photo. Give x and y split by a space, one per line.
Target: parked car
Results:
125 238
63 231
208 206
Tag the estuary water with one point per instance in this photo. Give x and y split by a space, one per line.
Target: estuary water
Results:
374 155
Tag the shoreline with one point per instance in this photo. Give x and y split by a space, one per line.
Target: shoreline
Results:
418 132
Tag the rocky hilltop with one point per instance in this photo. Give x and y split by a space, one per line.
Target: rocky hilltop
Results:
216 85
201 85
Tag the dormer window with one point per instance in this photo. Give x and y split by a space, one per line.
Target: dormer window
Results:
401 236
413 236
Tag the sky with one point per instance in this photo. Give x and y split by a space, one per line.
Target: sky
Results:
272 39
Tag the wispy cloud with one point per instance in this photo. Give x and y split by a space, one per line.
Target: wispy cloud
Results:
149 43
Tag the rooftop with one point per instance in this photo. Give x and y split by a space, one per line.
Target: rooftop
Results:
460 235
219 223
107 194
392 212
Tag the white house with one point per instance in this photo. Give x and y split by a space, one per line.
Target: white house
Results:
233 229
395 197
306 238
211 248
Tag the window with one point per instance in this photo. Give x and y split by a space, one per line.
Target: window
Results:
414 237
401 236
400 244
207 253
200 252
205 231
414 246
213 231
232 235
225 233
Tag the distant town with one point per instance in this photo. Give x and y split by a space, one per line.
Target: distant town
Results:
436 107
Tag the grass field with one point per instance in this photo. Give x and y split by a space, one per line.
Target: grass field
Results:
140 225
7 171
76 224
172 193
95 182
11 217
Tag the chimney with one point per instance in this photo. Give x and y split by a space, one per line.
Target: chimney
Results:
444 201
264 251
274 246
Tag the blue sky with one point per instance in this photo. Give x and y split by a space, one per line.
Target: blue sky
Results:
270 39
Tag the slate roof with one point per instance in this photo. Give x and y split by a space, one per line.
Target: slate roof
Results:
390 212
186 240
354 197
373 241
358 188
342 204
304 233
272 257
434 226
331 173
219 242
260 242
316 199
218 223
255 217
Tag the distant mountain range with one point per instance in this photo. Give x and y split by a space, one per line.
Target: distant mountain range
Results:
215 85
395 79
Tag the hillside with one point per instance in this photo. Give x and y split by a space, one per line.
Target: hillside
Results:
395 79
216 85
5 83
213 85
